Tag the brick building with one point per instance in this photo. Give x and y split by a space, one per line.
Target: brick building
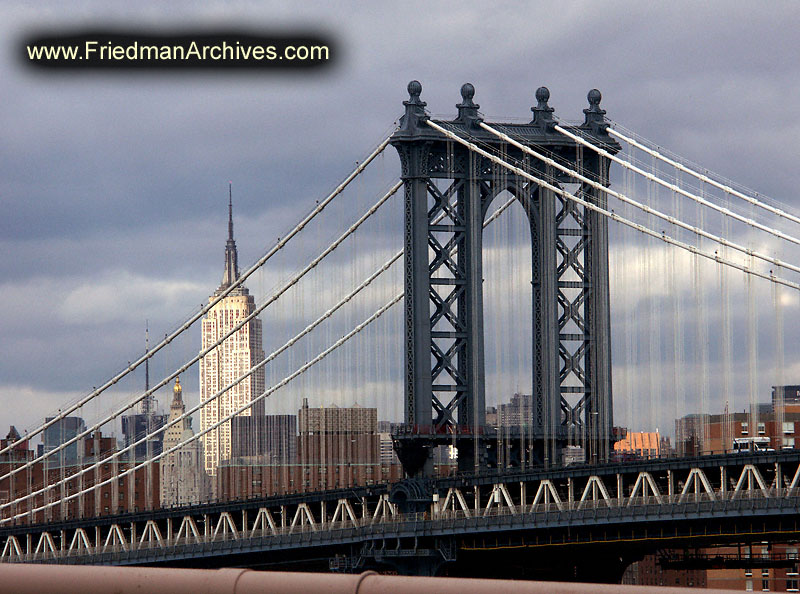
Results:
128 493
336 447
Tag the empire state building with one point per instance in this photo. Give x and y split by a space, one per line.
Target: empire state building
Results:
230 360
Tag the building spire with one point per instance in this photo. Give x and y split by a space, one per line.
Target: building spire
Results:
177 392
230 212
231 256
148 404
147 352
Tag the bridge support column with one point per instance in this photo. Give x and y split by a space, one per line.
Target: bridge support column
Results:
449 189
406 556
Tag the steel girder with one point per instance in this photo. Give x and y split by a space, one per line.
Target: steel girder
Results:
448 193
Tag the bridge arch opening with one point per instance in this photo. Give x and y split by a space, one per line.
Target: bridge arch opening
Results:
508 322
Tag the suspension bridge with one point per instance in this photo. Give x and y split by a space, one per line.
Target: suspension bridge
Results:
532 254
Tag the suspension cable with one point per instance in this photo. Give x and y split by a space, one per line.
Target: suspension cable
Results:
703 177
643 207
699 199
242 377
293 281
246 374
241 409
610 214
206 308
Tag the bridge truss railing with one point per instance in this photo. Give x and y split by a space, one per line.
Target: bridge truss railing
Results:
621 493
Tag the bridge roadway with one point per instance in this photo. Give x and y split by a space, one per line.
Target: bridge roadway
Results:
581 522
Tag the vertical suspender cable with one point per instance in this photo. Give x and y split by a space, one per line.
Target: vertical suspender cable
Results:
678 371
752 340
628 267
779 398
650 281
702 334
727 369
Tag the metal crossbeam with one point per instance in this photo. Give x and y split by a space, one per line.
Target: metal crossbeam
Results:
444 371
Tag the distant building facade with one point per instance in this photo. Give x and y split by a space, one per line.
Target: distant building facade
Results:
338 438
183 480
135 427
516 413
762 576
271 438
719 433
642 444
135 491
788 396
60 432
227 362
337 447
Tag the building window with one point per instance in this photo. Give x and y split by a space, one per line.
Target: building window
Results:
765 585
748 585
788 427
788 442
791 586
745 428
762 428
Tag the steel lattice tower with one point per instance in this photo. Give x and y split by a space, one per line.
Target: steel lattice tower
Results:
448 192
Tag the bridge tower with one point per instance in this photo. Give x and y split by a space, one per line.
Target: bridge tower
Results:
448 192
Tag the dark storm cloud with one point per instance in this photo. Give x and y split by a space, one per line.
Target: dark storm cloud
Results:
119 182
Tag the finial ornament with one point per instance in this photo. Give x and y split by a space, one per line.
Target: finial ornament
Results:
542 97
595 117
414 91
594 98
468 109
542 113
467 93
415 108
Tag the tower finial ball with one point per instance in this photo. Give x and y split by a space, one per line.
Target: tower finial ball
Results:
467 92
594 97
414 88
543 94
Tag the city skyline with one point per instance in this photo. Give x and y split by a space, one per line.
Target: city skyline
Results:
99 232
112 218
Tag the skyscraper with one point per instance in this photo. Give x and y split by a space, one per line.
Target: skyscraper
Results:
182 476
61 432
228 361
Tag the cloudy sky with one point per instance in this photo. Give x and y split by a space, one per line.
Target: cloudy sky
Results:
113 185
